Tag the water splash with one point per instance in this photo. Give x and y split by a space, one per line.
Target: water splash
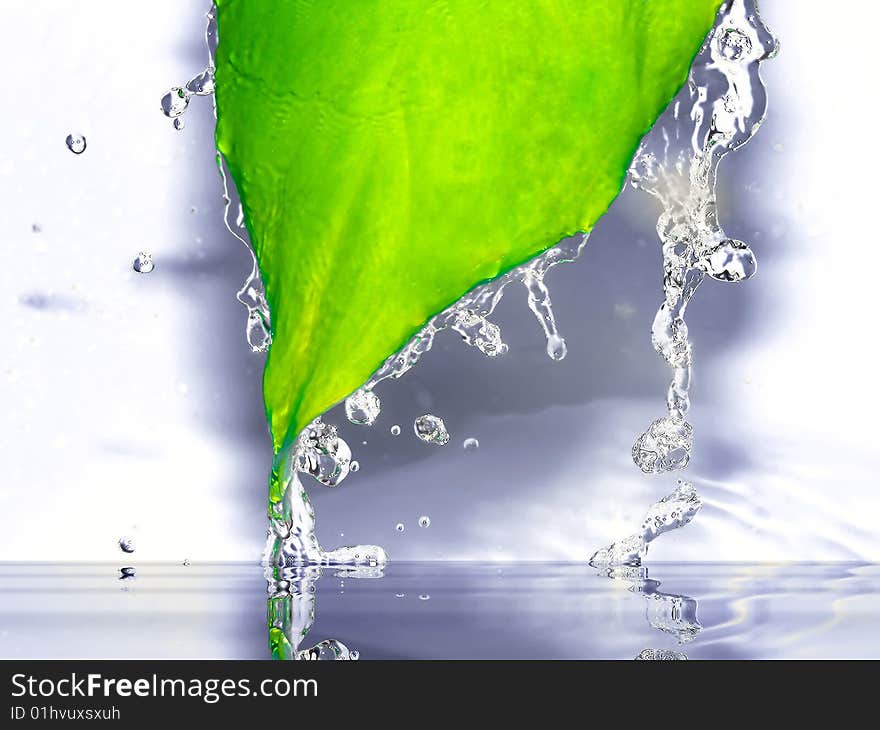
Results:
174 104
469 315
720 110
675 510
291 539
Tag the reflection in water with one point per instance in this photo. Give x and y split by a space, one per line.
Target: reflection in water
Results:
537 611
291 613
670 613
292 603
660 655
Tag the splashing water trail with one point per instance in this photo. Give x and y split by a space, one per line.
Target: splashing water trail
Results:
174 105
675 510
720 110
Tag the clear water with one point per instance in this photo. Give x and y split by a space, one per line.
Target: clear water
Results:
471 610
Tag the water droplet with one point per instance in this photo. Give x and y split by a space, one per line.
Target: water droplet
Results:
35 228
471 444
126 573
431 429
556 347
363 407
76 143
400 527
186 562
732 261
143 263
424 521
202 84
355 466
395 430
424 597
175 102
733 44
399 595
179 123
126 544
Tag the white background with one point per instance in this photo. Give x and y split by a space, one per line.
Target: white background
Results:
130 404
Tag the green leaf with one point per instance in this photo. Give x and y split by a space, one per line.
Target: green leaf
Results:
392 154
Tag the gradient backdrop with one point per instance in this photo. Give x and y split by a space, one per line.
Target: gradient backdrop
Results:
131 404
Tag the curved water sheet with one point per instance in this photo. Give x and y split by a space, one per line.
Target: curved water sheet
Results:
392 158
392 155
724 102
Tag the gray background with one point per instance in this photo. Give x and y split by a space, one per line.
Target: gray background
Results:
131 404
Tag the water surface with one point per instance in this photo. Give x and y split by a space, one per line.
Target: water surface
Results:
445 610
